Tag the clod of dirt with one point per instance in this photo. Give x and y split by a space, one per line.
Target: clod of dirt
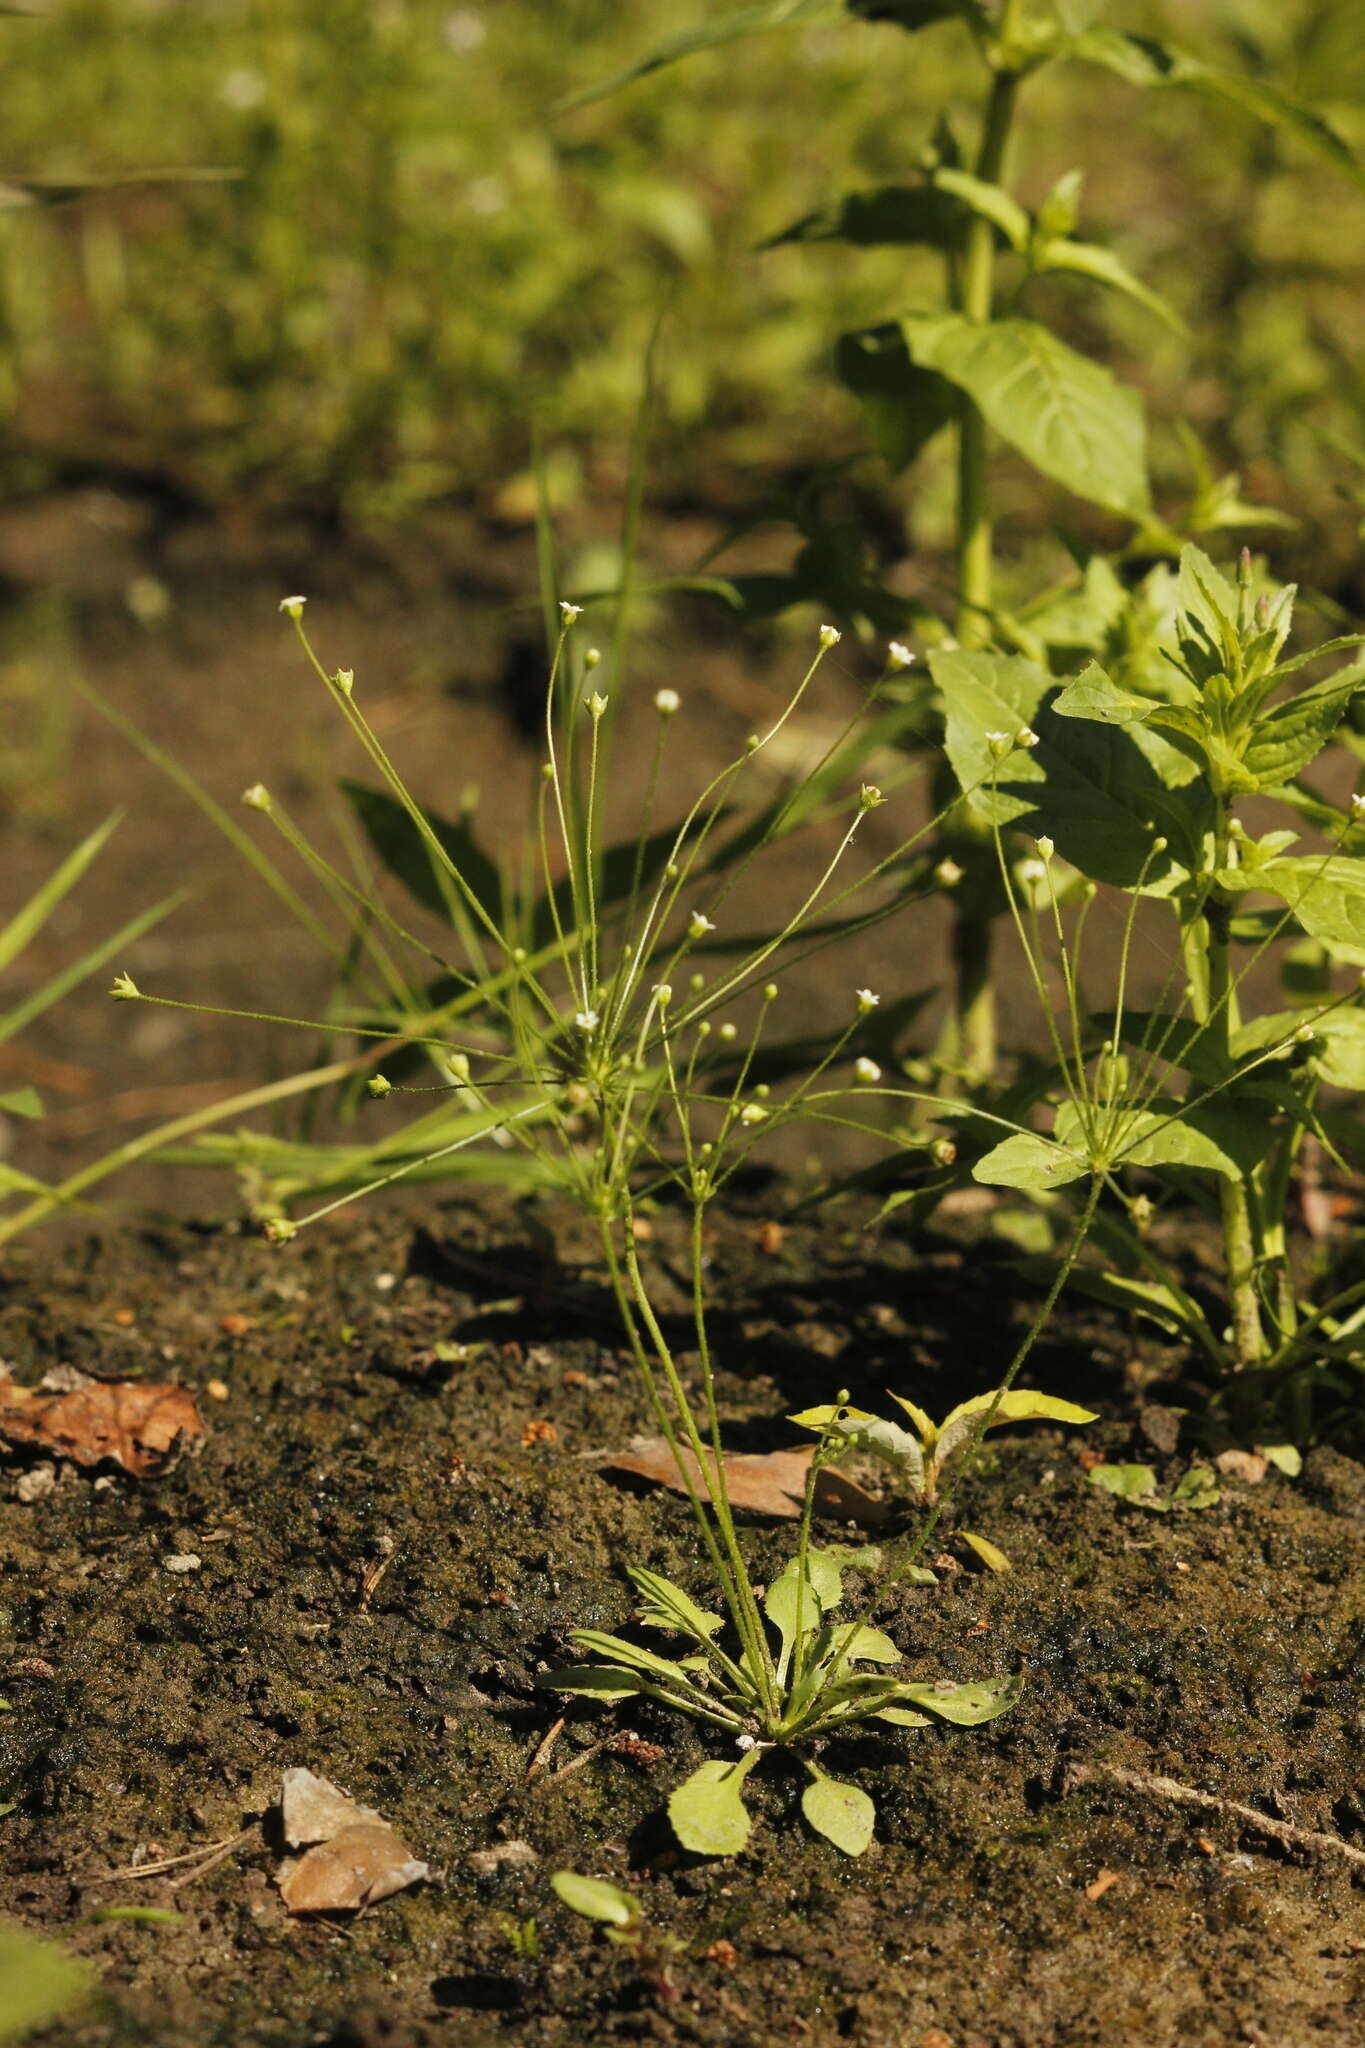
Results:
139 1427
767 1483
502 1856
357 1858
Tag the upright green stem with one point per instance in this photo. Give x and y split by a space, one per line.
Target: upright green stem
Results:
971 1039
1239 1245
977 303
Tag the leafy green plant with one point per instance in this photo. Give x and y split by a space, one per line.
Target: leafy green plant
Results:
623 1920
1197 1488
919 1455
608 1028
1137 787
986 358
38 1982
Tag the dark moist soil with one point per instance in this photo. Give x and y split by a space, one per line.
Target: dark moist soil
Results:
155 1712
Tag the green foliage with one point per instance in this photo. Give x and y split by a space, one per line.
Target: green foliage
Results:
1197 1488
920 1455
38 1983
811 1684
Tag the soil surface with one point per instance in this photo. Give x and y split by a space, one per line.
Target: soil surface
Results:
155 1710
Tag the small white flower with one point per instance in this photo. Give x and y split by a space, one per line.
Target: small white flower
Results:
943 1152
1026 737
830 636
465 31
569 612
257 798
293 606
898 655
125 989
1358 806
867 1071
662 992
666 702
241 90
753 1113
1142 1211
1045 847
867 1001
1032 871
587 1020
1305 1034
869 796
1000 744
947 874
728 1031
746 1742
698 926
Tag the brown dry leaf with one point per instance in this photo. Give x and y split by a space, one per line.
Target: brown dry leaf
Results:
1248 1466
136 1425
363 1864
357 1859
1104 1881
771 1483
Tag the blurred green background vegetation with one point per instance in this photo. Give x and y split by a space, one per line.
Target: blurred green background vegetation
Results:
416 259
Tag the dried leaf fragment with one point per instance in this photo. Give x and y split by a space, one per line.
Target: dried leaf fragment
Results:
1248 1466
357 1858
766 1483
356 1868
1103 1881
136 1425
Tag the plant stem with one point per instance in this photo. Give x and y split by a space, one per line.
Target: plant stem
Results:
1239 1246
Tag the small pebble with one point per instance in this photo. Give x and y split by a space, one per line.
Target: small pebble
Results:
184 1561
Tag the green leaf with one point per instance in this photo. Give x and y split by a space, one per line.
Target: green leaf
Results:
990 202
903 1717
889 216
855 1639
593 1681
1028 1161
139 1916
1327 896
29 921
710 35
1102 794
1211 1139
404 850
707 1810
841 1813
1068 416
1197 1489
1286 739
1143 62
1093 695
1125 1482
617 1652
967 1706
1285 1458
1102 266
595 1899
885 1441
664 1605
904 405
22 1102
38 1982
994 1559
1017 1404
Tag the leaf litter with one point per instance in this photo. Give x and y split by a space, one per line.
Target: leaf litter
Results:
761 1483
141 1427
352 1857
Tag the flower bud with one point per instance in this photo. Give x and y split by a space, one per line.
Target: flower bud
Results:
869 796
867 1071
345 680
1045 847
257 798
866 1001
125 989
698 926
592 657
379 1087
279 1229
666 702
948 874
293 606
597 704
569 612
943 1152
898 655
752 1113
830 636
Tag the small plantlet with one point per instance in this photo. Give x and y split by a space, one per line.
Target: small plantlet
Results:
622 1919
919 1455
521 1937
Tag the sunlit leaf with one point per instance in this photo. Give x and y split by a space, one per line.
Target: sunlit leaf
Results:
841 1813
593 1681
1102 266
967 1706
1067 415
38 1982
595 1899
665 1605
1028 1161
707 1811
990 1554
